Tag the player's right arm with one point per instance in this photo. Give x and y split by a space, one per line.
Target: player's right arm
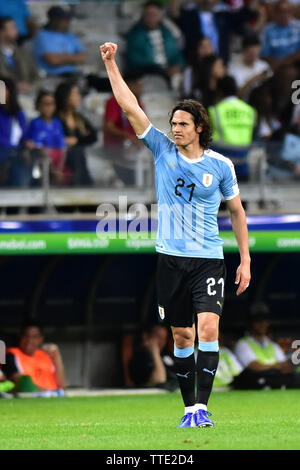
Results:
121 91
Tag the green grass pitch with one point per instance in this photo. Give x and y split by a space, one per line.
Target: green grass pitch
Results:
243 420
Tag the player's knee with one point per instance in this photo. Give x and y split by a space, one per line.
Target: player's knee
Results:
183 338
208 332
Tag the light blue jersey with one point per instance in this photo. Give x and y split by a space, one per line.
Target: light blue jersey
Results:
49 41
280 41
189 193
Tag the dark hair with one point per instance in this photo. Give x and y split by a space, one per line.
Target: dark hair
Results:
12 105
4 20
250 41
62 94
227 86
59 12
203 76
152 3
31 323
41 95
200 117
194 58
55 15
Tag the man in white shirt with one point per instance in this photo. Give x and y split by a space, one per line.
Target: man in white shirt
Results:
248 69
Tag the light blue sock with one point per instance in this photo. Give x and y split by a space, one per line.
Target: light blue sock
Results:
212 346
184 352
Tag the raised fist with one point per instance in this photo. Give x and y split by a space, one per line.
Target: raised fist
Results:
108 51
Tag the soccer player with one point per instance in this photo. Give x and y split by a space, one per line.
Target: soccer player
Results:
190 180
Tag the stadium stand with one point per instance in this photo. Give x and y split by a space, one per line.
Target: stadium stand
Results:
94 23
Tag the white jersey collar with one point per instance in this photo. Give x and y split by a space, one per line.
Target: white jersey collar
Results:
191 160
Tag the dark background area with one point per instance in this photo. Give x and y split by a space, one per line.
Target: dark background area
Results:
87 303
117 292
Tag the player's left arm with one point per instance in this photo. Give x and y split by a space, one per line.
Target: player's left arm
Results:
239 226
55 356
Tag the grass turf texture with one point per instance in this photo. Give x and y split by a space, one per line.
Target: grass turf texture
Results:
243 420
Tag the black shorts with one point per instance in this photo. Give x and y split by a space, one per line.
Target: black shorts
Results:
187 286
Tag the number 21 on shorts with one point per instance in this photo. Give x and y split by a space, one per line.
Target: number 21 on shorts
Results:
211 284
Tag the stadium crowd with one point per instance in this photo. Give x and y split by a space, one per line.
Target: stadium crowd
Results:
240 58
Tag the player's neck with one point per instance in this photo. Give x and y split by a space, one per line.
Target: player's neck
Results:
191 151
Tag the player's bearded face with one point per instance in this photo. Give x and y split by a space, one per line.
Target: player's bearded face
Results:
183 129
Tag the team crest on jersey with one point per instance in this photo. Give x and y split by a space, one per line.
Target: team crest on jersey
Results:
207 179
161 312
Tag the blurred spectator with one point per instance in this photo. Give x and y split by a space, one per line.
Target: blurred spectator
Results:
147 360
151 47
260 99
228 368
272 101
33 367
258 20
15 62
18 10
120 140
79 133
264 362
56 50
15 169
213 19
281 91
203 49
192 72
281 39
283 152
206 79
233 122
249 70
46 133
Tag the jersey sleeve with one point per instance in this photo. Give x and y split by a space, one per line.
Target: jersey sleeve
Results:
156 141
229 186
